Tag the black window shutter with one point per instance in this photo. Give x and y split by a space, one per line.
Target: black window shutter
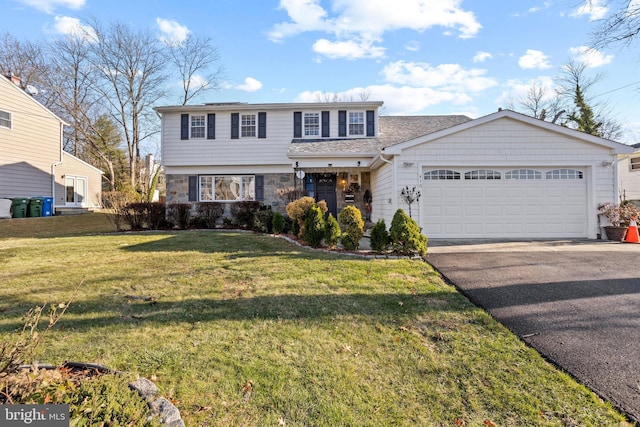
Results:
235 125
259 188
325 124
184 126
297 124
342 123
193 188
262 125
371 124
211 126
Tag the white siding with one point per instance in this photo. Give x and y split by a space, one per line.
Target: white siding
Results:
73 166
629 180
29 148
381 191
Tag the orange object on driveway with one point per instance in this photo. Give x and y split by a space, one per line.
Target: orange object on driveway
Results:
632 232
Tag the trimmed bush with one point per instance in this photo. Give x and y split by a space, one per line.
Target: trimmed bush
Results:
244 213
351 220
210 213
331 231
314 226
263 221
379 237
278 223
180 214
405 235
297 211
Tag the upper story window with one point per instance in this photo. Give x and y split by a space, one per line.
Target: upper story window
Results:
356 123
634 163
248 125
564 174
197 126
5 119
311 124
482 174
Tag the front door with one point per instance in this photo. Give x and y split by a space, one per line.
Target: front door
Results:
76 190
326 190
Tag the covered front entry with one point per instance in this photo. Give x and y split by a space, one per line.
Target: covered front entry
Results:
325 189
504 202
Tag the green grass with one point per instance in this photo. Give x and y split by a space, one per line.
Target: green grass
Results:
324 339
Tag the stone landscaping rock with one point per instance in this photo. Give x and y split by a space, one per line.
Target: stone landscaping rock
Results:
146 388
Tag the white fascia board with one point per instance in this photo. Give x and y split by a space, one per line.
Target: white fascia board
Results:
618 148
241 106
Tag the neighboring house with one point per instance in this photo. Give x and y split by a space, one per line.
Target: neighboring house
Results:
505 175
629 175
32 162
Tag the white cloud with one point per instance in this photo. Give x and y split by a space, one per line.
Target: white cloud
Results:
250 85
519 89
73 27
590 57
172 32
364 22
593 9
48 6
413 46
450 77
534 59
349 49
481 56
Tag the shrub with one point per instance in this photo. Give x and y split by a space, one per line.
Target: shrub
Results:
405 235
331 231
180 213
351 220
210 213
134 214
263 221
278 223
115 202
379 237
297 210
314 226
244 213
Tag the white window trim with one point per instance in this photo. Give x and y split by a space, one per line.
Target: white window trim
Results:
364 123
204 126
241 190
255 125
634 166
10 120
304 124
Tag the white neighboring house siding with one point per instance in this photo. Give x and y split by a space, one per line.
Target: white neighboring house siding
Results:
629 180
506 142
30 147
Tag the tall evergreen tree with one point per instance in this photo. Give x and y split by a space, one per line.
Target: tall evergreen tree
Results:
583 117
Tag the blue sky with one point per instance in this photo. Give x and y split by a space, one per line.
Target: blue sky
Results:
418 56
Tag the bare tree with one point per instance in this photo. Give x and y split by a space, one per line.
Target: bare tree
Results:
198 64
23 59
623 26
131 73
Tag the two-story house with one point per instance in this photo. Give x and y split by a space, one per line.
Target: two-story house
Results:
32 161
504 175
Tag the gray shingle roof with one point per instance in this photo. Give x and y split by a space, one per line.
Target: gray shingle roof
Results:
392 130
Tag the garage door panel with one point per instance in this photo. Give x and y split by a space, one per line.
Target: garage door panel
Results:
504 208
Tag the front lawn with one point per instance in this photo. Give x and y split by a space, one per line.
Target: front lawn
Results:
250 330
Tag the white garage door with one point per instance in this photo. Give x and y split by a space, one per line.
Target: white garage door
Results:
504 203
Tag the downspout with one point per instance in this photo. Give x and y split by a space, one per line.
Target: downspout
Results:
53 170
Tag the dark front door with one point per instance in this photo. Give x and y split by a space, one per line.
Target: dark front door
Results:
326 190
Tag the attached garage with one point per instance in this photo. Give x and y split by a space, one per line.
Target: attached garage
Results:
499 202
502 176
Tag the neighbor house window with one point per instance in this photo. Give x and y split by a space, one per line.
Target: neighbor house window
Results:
227 188
356 123
5 119
634 163
441 174
197 126
482 174
248 125
311 124
523 174
564 174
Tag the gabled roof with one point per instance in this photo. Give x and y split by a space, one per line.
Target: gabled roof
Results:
12 86
616 146
244 106
391 130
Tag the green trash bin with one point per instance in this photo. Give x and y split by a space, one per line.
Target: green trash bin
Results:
35 206
19 207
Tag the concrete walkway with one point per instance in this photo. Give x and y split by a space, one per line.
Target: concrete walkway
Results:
576 302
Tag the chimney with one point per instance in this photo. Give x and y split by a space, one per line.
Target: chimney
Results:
14 79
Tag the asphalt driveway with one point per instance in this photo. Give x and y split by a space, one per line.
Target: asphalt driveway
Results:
576 302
